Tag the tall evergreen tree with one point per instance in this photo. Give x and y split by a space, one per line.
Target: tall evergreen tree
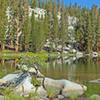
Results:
63 28
3 23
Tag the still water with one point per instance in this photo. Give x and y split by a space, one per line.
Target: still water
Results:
78 70
75 69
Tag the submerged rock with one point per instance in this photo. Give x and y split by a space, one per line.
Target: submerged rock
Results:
60 97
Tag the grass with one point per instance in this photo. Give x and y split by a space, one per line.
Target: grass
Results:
92 89
73 96
51 92
10 54
14 97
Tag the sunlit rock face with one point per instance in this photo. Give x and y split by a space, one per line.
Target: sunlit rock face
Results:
38 12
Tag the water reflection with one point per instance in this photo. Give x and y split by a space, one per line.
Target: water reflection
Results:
7 66
75 69
72 68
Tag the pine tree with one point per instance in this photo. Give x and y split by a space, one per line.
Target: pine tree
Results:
58 6
25 23
43 4
98 33
55 28
3 23
39 3
33 33
93 22
89 31
63 28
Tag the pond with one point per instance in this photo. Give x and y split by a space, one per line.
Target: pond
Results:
80 70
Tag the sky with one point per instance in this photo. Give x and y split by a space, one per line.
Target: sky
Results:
82 3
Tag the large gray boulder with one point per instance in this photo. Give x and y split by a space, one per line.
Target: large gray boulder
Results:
25 87
67 87
72 88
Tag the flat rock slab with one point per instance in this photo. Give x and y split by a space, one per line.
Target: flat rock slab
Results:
95 81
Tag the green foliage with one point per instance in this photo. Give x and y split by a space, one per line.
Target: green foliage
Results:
92 89
35 98
14 97
35 32
51 92
93 98
32 94
8 91
35 82
73 96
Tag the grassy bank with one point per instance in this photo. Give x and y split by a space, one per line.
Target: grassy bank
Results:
11 54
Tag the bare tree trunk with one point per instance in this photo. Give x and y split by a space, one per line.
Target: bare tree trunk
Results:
11 43
16 46
97 46
2 46
2 62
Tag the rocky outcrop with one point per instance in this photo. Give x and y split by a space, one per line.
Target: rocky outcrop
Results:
21 83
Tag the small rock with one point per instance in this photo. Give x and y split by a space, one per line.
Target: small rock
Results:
95 97
95 81
32 70
43 98
55 99
95 54
2 81
41 92
24 67
60 97
79 54
1 97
